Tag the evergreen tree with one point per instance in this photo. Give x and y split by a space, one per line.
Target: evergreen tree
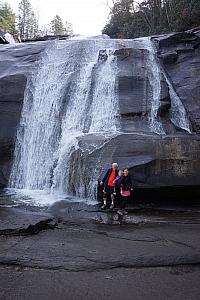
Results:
130 19
68 28
28 24
59 28
7 19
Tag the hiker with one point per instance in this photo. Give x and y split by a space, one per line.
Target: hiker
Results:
125 191
117 187
109 185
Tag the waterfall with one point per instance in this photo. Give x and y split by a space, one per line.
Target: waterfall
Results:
178 113
71 110
97 116
72 94
154 76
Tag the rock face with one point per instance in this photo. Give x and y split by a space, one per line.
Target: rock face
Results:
180 56
155 160
16 64
172 159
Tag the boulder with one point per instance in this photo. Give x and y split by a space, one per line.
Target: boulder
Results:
6 38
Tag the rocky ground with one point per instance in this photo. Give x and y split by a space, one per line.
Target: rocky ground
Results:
74 251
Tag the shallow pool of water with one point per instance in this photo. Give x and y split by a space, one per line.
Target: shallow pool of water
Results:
77 209
36 198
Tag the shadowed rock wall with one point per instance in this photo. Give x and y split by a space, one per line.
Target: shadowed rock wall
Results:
16 64
180 56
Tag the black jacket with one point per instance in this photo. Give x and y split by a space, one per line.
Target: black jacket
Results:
126 183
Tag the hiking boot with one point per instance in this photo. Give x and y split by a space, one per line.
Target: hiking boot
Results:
120 212
103 206
125 212
112 206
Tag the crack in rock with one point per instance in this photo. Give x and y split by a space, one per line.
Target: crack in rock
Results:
182 244
128 239
103 266
31 229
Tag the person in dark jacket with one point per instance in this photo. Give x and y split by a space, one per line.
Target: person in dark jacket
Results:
118 186
109 185
125 191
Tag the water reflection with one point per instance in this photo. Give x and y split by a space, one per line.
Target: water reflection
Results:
76 210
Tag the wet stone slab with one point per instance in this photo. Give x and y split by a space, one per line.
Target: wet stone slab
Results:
83 214
15 221
86 257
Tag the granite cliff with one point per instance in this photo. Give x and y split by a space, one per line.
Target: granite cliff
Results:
156 159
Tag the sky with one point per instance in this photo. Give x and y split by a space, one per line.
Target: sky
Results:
88 17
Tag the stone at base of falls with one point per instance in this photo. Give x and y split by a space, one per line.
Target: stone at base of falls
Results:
155 161
18 222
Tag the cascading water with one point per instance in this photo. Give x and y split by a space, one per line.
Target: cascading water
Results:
83 115
154 76
71 95
178 113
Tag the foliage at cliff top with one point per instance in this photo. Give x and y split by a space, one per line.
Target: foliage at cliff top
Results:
7 19
27 21
25 24
131 19
57 27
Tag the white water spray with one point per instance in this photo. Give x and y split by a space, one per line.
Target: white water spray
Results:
178 113
71 95
154 76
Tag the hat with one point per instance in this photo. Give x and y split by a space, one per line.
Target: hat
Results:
115 164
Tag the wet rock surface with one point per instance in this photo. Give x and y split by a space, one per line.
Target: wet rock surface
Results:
18 222
148 254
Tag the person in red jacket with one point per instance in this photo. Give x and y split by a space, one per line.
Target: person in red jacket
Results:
109 185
